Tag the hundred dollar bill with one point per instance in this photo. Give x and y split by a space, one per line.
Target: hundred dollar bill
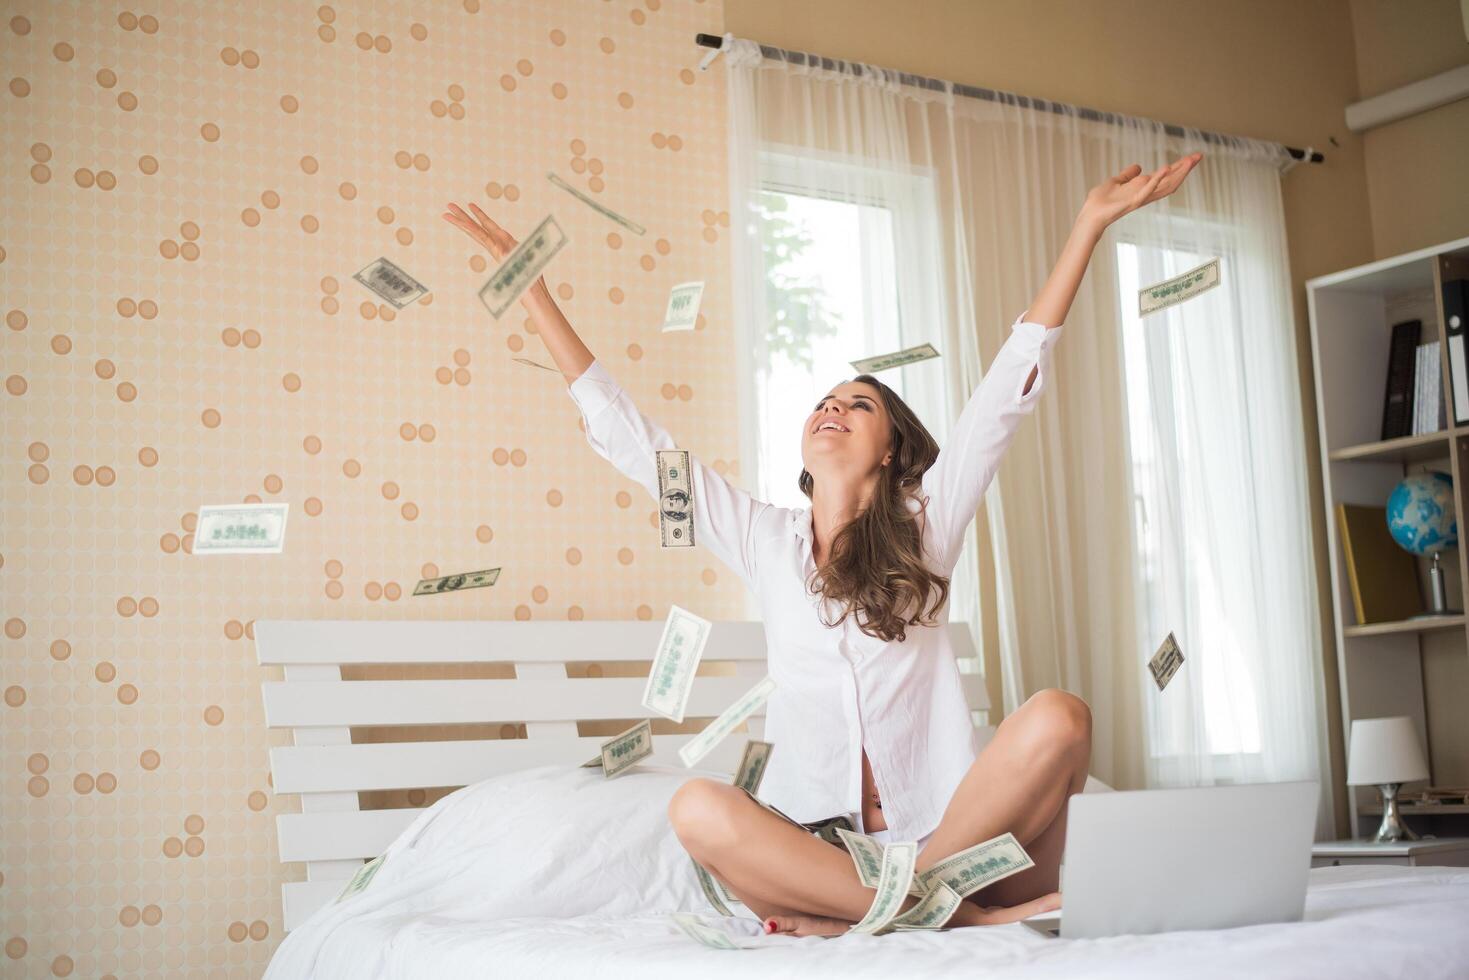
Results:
683 307
606 212
936 908
391 283
241 529
752 766
866 854
1165 662
675 663
974 867
535 364
522 266
885 362
708 935
827 829
892 887
362 878
716 731
622 752
457 583
1173 291
675 499
711 889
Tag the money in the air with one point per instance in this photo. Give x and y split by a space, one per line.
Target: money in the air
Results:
241 529
683 307
622 752
866 854
933 912
752 766
391 283
675 663
975 867
522 266
898 861
1170 292
711 889
902 358
706 934
1165 662
457 583
535 364
717 730
675 499
606 212
362 878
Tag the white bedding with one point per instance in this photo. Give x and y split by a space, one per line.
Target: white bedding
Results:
556 872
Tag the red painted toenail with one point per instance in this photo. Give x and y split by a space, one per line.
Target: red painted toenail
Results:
769 925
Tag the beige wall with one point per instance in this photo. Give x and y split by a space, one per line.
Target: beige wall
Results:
136 812
1259 68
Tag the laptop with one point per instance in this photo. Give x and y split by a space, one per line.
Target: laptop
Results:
1166 860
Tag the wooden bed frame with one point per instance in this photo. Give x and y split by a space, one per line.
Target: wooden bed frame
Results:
333 836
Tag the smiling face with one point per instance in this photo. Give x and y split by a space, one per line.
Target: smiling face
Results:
848 433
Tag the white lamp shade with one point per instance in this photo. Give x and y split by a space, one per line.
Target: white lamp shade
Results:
1385 750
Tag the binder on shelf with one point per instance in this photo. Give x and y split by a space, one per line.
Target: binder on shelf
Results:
1397 403
1455 315
1384 577
1428 404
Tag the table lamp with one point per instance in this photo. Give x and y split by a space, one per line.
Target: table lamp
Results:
1385 752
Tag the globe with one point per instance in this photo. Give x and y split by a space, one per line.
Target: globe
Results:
1420 514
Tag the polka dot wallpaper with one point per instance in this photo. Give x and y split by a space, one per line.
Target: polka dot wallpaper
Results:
188 190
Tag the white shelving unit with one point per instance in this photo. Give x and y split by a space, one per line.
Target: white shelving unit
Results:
1416 667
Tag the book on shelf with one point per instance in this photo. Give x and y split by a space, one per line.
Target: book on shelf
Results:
1456 320
1383 577
1429 411
1397 402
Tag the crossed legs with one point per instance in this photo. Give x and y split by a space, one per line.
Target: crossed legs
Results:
1020 783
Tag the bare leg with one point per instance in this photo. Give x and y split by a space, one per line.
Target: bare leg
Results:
1021 783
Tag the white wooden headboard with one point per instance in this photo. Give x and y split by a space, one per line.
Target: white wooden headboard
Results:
333 836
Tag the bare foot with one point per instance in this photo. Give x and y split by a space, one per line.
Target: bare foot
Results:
970 914
805 925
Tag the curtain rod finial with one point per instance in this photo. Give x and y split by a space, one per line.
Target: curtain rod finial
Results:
724 44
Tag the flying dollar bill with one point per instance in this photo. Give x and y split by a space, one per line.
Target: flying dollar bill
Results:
1170 292
391 283
457 583
892 887
522 266
1165 662
596 206
683 307
711 890
886 362
675 663
932 912
241 529
362 878
866 854
752 766
535 364
623 751
717 730
828 829
983 864
675 499
708 935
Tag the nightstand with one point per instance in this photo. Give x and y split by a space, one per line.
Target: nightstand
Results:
1443 851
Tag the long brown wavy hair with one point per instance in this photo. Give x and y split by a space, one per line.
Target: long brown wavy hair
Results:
874 566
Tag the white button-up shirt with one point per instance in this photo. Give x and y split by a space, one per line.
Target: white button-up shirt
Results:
839 690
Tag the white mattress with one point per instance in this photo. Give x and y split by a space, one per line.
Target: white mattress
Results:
558 873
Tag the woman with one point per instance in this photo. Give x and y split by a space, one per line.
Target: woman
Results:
868 716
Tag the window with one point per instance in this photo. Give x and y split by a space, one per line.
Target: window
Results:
840 284
1182 554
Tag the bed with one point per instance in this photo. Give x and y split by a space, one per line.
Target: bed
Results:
539 868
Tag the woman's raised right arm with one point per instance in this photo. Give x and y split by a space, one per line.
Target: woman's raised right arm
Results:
571 355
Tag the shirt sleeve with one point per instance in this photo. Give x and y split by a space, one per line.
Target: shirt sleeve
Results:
724 516
956 482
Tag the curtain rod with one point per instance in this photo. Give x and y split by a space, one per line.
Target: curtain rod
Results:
1308 155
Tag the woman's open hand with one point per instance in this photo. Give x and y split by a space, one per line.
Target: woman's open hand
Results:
1131 189
491 237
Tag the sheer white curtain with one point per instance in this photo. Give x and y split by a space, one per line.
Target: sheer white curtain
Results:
1161 486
